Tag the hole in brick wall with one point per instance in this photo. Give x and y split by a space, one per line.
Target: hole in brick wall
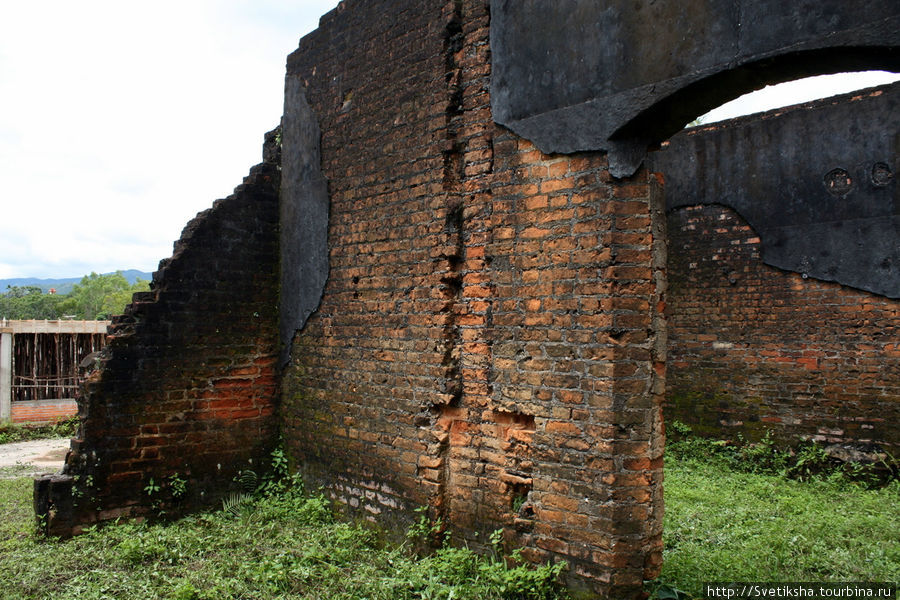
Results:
519 500
881 174
346 100
452 285
514 420
838 182
454 261
454 167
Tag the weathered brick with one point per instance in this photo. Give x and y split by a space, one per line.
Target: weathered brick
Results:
754 348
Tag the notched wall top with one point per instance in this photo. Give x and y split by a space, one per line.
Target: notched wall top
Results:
623 74
304 216
817 182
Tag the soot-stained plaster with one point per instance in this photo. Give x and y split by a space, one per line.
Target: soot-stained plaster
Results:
623 75
817 182
304 216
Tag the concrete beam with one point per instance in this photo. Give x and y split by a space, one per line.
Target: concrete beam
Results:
816 182
303 216
6 341
27 326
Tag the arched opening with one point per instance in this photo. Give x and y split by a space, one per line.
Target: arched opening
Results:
794 92
669 115
768 334
782 274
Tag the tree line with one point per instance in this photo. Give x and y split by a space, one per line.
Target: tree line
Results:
96 297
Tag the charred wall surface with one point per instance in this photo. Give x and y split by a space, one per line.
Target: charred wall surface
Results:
755 348
488 341
585 75
817 183
186 385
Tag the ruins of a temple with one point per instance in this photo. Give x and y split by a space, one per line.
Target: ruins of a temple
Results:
446 285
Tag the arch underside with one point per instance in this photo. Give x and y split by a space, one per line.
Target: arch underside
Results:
621 77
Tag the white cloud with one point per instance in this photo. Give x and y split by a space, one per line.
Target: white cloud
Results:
121 120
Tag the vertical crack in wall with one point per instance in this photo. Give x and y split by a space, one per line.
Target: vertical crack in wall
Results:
446 411
658 358
451 286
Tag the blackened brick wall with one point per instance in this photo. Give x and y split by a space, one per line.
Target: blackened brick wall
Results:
753 348
187 383
489 342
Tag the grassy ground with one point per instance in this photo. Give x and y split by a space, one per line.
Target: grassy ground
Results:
284 546
721 525
15 432
725 526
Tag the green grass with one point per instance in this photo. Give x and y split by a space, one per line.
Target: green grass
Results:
15 432
17 470
720 525
282 546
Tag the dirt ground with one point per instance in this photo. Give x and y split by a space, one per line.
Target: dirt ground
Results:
33 457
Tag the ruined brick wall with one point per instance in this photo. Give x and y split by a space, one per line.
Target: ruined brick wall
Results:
187 381
489 342
753 348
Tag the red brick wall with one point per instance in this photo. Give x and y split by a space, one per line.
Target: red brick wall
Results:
488 338
753 348
42 411
490 343
187 380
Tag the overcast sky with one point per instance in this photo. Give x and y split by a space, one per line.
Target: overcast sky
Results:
119 121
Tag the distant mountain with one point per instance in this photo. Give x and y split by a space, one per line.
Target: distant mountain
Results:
64 285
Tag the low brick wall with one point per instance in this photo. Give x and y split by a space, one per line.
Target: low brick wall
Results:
186 386
42 411
755 349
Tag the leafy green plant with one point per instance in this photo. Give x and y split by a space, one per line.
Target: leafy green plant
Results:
676 428
152 487
248 481
234 502
518 502
664 591
177 486
762 457
807 461
277 478
425 530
